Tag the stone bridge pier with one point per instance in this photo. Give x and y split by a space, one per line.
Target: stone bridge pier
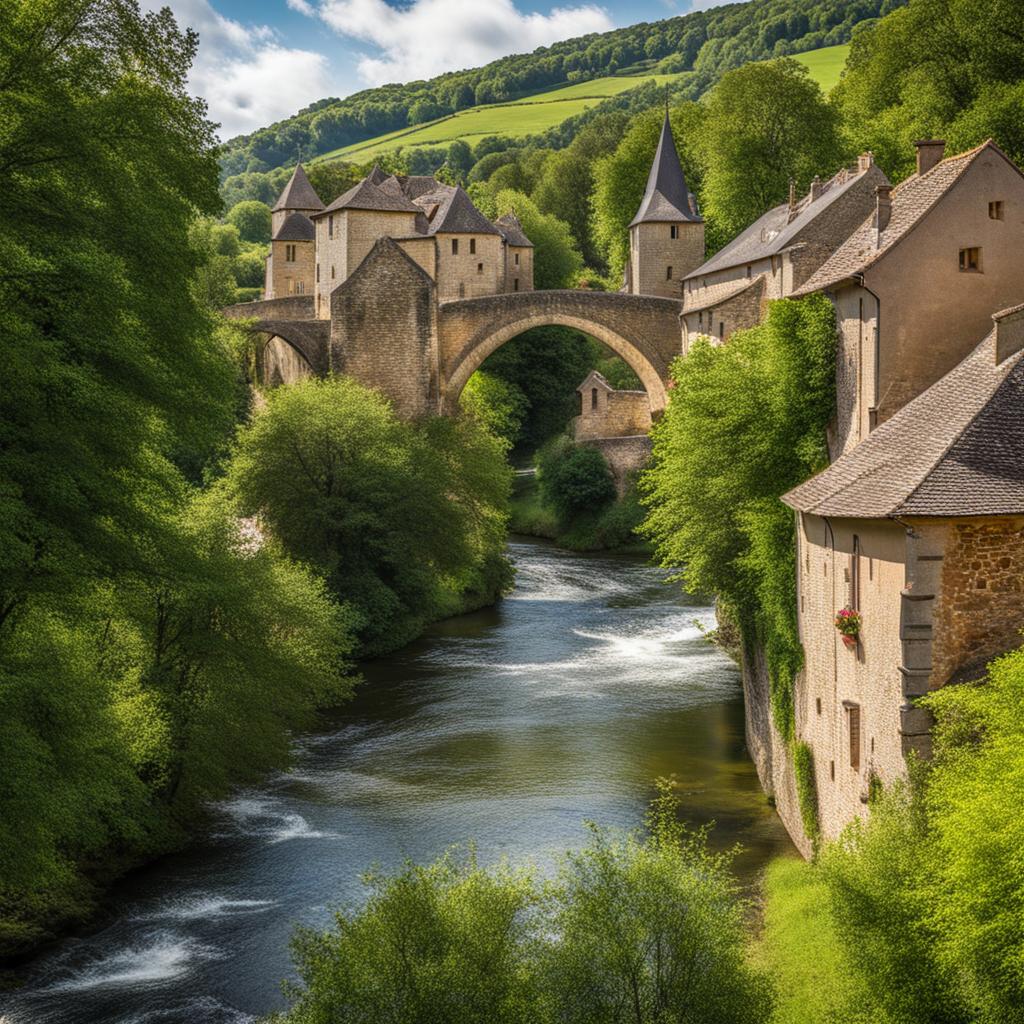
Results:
387 330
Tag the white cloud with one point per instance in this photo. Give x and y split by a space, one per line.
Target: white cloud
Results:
247 77
428 37
302 7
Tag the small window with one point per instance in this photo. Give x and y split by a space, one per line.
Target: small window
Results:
330 225
817 704
721 330
853 723
668 274
300 287
462 290
995 210
289 254
970 260
318 273
479 268
674 231
700 321
472 247
515 285
455 247
291 285
517 259
593 398
832 770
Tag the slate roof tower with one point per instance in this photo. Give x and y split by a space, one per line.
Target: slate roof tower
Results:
666 237
298 196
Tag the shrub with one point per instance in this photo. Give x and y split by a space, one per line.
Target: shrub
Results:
573 479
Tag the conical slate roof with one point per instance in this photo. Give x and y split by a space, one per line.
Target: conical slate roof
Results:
376 176
456 214
667 198
297 227
298 194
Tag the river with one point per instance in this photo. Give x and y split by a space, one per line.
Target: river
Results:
509 727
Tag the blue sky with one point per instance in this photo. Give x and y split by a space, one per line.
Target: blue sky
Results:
261 60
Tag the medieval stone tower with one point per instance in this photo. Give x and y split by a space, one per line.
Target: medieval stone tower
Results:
666 237
291 262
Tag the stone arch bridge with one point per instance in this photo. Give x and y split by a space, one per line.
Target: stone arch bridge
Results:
387 330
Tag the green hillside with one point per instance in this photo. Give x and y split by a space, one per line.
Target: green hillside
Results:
527 116
826 64
532 115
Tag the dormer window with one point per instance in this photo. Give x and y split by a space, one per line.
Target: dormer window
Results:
455 247
472 247
970 260
673 231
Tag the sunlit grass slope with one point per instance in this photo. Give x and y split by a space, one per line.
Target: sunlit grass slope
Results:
526 116
825 65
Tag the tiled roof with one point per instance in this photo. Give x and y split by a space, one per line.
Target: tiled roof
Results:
298 194
377 176
716 294
456 213
667 198
911 200
512 231
297 227
775 231
592 378
955 450
368 196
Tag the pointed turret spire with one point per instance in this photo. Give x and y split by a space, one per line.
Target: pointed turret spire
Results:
298 194
667 198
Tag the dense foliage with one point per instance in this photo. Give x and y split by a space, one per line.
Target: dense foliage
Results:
150 653
405 520
573 479
745 422
498 404
635 928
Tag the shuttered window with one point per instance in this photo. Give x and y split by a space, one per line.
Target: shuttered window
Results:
853 720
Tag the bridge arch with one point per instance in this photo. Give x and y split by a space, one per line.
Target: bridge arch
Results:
644 331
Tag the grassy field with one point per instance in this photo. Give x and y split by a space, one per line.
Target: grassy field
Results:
825 64
527 116
535 114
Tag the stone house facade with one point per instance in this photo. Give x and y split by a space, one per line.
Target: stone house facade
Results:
777 254
316 248
915 284
920 528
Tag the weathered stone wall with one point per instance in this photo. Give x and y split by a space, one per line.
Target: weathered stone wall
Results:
732 314
384 329
617 414
293 307
624 455
296 277
331 256
835 678
653 250
856 316
981 611
643 330
282 363
466 274
422 250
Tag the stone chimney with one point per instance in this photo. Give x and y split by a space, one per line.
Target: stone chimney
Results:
929 153
865 161
816 187
883 207
1009 332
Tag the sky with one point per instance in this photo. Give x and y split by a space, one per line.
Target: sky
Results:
262 60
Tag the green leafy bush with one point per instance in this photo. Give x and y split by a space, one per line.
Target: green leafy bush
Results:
573 479
746 421
497 404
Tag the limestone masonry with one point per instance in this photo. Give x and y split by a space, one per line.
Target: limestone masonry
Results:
917 524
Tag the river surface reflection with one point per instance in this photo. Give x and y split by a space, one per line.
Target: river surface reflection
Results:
509 727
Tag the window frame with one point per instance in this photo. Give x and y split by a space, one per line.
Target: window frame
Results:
970 264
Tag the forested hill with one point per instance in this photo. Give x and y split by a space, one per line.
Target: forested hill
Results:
702 45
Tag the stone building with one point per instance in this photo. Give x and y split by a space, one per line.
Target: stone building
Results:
915 283
666 237
316 248
291 262
920 528
777 253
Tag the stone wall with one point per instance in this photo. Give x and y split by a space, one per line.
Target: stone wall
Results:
282 363
653 250
856 316
736 313
624 455
293 307
384 329
518 267
617 414
469 274
422 250
981 611
292 278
